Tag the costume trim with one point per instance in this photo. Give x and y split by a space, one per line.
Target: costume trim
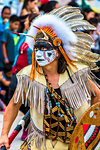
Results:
77 93
39 131
33 136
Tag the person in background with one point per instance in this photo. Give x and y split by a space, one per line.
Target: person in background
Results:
2 106
73 3
4 24
95 34
5 15
97 16
96 46
10 3
23 58
2 94
8 46
29 7
47 7
6 76
88 14
22 21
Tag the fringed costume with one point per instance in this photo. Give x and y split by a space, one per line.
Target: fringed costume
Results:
55 112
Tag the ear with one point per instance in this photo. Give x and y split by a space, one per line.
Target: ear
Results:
57 53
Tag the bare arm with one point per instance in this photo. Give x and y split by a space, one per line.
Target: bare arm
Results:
96 98
3 45
5 82
24 12
9 117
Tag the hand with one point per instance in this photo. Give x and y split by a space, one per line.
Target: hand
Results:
5 21
4 141
6 61
35 10
3 92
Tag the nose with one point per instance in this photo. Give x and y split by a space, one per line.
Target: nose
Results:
39 53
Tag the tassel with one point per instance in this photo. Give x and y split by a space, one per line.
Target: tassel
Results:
33 69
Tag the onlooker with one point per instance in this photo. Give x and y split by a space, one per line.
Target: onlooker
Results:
88 14
23 55
96 46
95 34
4 24
22 20
47 7
2 106
23 58
73 3
5 82
5 15
29 7
8 46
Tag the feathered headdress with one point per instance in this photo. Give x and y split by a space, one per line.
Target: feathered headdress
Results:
63 26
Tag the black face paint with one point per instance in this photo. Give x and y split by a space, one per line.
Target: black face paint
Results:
49 54
42 44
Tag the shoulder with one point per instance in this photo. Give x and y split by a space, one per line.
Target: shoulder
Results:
24 12
25 71
79 69
80 66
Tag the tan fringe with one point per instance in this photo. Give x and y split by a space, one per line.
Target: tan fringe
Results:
34 136
77 93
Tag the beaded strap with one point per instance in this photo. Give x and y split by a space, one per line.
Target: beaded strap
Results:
59 122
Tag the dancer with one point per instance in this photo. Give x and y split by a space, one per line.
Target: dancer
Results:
59 83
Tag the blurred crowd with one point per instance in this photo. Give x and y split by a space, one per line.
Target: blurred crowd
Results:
14 51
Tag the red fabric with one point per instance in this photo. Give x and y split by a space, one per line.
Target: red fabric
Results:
44 1
22 60
85 127
13 135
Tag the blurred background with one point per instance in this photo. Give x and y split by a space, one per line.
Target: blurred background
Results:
16 16
14 4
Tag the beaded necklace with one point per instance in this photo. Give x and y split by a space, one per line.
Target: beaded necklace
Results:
59 121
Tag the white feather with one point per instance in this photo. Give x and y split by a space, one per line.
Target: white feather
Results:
57 24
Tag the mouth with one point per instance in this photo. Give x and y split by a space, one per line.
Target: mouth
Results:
40 59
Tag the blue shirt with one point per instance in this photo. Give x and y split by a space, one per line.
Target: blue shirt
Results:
3 27
8 38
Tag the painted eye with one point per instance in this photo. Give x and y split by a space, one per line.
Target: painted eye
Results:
36 49
49 54
43 48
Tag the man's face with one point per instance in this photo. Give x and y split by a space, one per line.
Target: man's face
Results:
45 53
6 14
14 25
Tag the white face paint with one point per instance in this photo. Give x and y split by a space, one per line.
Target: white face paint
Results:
45 57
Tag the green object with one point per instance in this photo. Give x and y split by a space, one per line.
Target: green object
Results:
85 5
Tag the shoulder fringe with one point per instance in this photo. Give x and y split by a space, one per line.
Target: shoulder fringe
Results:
33 90
76 93
79 92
